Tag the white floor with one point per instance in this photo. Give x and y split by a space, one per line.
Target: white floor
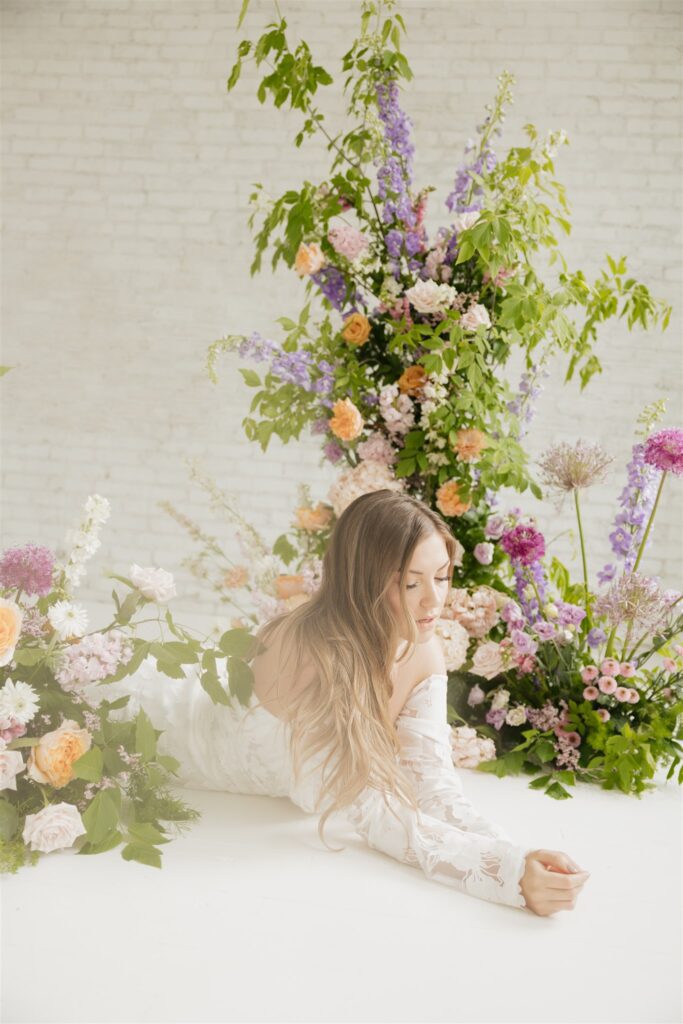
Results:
251 919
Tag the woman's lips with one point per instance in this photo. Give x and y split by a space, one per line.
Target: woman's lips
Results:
426 622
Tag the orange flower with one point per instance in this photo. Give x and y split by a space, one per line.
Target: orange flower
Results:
236 577
356 329
11 618
469 444
313 518
309 259
288 585
412 380
347 421
448 500
51 759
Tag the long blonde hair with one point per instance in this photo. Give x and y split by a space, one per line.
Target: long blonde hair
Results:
349 631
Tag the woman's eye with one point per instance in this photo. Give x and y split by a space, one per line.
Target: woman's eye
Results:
439 579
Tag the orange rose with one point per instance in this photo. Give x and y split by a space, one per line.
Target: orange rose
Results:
347 422
11 618
469 444
309 259
236 577
313 518
412 380
51 760
356 329
288 585
448 500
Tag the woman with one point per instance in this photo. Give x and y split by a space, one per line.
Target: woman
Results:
349 713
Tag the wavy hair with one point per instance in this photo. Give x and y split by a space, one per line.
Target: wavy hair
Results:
348 632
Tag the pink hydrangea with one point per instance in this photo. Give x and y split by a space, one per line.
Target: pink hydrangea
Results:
665 450
347 241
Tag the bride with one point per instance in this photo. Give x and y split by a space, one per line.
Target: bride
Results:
349 713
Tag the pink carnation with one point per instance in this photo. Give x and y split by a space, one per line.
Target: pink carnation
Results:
665 450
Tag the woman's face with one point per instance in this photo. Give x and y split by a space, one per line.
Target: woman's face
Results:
426 587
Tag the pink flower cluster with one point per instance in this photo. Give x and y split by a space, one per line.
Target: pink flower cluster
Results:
605 676
523 543
665 450
94 657
28 568
347 241
477 612
377 449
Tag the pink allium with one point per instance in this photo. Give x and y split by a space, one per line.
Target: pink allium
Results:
590 673
626 669
603 714
607 684
28 568
610 667
523 543
665 450
633 598
567 467
591 693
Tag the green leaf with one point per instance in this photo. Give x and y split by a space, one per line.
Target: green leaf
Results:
100 817
145 832
144 854
284 550
540 782
558 792
236 642
243 11
108 843
29 655
145 736
235 73
9 820
544 750
89 765
405 468
241 679
251 378
210 681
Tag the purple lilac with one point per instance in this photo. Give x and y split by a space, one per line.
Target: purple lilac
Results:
636 501
522 571
28 568
258 348
293 367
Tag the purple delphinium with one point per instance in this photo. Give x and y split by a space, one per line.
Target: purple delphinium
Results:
523 573
28 568
529 390
636 501
332 283
394 176
456 201
293 367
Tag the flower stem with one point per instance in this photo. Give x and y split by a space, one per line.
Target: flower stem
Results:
583 551
641 549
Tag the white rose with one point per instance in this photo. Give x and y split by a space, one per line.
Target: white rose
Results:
516 716
500 699
487 661
154 584
430 297
11 763
454 641
463 221
475 316
53 828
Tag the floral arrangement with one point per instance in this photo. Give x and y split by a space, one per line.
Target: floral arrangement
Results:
597 679
88 783
399 373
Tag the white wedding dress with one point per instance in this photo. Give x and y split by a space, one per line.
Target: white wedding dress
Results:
220 747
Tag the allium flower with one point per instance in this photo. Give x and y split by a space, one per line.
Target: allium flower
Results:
68 619
665 450
633 598
19 701
524 543
567 467
29 568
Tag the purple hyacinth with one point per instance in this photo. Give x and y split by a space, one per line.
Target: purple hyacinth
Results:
294 368
636 501
28 568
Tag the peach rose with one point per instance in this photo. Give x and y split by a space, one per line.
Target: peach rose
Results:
448 500
313 518
309 259
236 577
11 617
412 380
347 422
469 444
356 329
288 585
51 760
488 660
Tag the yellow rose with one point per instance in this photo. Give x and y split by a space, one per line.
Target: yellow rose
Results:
356 329
347 422
51 760
309 259
11 618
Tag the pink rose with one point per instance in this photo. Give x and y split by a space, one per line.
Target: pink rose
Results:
474 317
607 684
589 673
610 667
488 660
484 553
53 828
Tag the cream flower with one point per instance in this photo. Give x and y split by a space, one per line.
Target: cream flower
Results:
474 317
19 701
54 828
154 584
488 660
68 619
430 297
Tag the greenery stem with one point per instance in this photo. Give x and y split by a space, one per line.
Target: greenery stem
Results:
641 549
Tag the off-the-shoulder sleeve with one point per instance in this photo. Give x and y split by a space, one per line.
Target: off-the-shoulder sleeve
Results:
446 838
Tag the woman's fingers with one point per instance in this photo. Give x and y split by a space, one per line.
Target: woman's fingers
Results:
565 882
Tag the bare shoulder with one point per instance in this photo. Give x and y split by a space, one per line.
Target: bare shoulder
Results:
432 660
275 670
428 659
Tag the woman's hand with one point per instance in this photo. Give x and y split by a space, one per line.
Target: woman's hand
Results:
551 882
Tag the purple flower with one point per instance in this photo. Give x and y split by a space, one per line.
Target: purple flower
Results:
570 614
523 543
496 717
258 348
545 630
596 637
636 501
524 643
665 450
319 426
332 284
333 451
29 568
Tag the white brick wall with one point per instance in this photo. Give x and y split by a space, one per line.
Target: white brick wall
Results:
127 168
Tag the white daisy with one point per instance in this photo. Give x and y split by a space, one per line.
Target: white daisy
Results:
19 701
68 619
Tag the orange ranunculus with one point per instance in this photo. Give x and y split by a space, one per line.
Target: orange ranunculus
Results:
412 380
313 518
236 577
448 500
11 617
309 259
287 585
356 329
469 444
347 422
50 760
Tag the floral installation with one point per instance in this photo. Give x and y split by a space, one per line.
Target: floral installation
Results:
396 359
579 685
72 778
